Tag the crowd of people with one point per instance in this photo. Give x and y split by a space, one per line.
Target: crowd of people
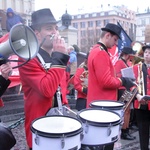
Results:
95 79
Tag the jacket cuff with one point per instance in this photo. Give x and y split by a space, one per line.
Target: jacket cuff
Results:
85 90
60 59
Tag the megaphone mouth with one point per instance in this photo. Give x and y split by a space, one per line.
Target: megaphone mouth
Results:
23 41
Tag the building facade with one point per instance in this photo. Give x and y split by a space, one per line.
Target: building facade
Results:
22 7
89 25
143 27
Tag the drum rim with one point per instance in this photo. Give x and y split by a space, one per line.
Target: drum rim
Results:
99 124
56 135
110 107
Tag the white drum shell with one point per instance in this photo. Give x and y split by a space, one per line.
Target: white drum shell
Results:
55 143
99 133
56 133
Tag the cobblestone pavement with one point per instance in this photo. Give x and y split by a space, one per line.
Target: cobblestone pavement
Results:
119 145
19 134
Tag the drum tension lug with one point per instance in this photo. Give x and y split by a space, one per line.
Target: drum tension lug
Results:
109 130
86 127
81 136
36 138
63 141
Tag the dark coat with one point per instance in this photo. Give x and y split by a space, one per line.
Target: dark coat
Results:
3 85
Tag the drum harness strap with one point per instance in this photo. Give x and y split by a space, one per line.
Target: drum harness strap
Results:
46 66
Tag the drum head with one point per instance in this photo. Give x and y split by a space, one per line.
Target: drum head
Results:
99 116
107 104
56 125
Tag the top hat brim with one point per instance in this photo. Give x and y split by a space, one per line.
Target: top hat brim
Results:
145 47
108 30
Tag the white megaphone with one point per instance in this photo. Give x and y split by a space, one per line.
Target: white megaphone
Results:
22 42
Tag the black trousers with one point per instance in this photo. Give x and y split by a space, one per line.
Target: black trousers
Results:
143 122
80 104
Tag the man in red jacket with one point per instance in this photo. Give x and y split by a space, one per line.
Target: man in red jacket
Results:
42 75
102 82
80 84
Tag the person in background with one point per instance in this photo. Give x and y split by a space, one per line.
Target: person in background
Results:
12 19
142 104
41 77
121 64
72 64
102 81
80 84
72 60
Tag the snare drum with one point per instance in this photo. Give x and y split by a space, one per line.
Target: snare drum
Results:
56 133
100 127
109 105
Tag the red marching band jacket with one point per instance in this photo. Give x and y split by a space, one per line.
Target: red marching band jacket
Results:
102 80
39 87
78 83
143 80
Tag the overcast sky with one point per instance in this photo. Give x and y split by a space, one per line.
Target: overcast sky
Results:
58 7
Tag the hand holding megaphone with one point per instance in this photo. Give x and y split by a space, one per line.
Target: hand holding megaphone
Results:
6 70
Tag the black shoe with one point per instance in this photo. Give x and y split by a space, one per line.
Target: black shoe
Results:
127 136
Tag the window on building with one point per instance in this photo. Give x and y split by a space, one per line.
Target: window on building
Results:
102 13
98 23
75 17
78 16
113 12
82 16
94 15
106 21
87 15
83 33
82 24
90 15
143 22
90 24
143 33
106 14
75 25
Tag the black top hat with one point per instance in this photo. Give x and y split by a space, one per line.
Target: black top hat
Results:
42 16
128 50
145 47
112 28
